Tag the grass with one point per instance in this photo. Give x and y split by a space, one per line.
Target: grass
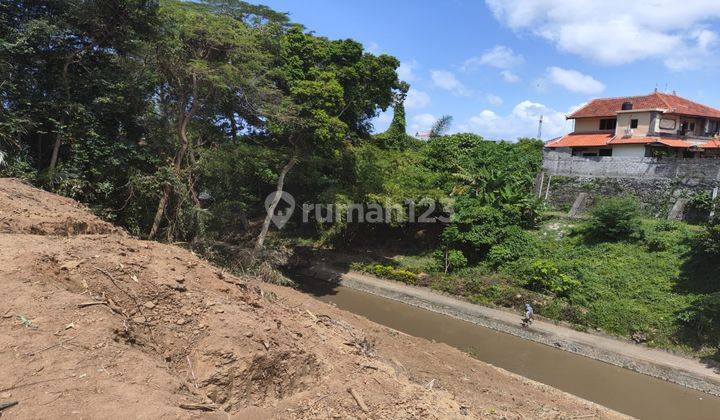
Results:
637 288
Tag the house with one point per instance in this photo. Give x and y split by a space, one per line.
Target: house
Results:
654 125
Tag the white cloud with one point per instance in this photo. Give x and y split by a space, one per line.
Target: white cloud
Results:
446 80
493 99
696 55
618 31
406 71
574 81
420 123
500 57
521 122
416 99
509 76
373 48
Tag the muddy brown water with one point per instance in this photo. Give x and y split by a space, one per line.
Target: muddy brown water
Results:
620 389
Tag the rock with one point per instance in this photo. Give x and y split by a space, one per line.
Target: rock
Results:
149 304
179 287
181 321
639 337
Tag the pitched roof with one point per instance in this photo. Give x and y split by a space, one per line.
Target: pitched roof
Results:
597 140
608 107
581 140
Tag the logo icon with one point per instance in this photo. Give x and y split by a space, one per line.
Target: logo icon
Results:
280 218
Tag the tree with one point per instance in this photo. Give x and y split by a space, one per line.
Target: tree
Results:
332 91
440 126
203 56
64 73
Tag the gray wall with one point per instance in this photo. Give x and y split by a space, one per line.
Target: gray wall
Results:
688 171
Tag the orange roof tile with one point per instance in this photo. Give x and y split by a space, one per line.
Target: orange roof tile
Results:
604 139
581 140
711 144
608 107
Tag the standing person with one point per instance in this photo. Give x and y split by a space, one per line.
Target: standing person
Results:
528 315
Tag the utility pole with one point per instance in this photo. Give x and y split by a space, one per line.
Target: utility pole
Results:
539 135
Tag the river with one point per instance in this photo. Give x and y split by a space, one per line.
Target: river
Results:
623 390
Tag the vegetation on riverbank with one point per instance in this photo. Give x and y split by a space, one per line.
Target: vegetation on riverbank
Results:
177 132
659 287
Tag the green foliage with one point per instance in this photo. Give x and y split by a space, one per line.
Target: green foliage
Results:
386 272
516 244
545 276
701 202
614 219
710 239
703 317
450 259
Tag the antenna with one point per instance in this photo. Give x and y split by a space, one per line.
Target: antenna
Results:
539 135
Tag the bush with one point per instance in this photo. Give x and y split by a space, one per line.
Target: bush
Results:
703 315
386 272
710 239
614 219
545 276
517 243
450 259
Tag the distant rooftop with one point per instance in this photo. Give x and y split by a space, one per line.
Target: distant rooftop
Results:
609 107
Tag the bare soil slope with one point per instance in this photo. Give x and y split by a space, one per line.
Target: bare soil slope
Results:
97 324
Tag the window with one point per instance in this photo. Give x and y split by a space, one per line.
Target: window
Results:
692 127
633 123
712 127
667 124
605 152
608 123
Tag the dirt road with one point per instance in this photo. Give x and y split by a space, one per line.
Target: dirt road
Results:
97 324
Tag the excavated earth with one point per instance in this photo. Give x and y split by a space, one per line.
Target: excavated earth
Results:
97 324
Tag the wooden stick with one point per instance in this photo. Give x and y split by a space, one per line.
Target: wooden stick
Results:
86 304
358 399
192 372
52 346
201 407
7 405
112 279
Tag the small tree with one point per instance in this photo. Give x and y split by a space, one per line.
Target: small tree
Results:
614 219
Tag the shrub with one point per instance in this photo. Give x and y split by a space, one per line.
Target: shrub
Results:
545 276
386 271
703 315
710 239
450 259
614 219
701 202
517 243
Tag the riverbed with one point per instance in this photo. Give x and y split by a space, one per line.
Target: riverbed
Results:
623 390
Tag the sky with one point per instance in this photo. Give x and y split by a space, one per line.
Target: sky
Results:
496 66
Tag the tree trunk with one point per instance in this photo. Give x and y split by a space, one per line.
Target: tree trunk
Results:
167 189
260 242
183 121
55 153
58 137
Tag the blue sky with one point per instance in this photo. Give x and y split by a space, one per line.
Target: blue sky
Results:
497 65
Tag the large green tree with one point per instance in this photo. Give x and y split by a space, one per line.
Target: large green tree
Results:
332 90
209 63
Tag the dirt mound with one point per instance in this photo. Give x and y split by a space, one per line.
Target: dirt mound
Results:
24 209
109 326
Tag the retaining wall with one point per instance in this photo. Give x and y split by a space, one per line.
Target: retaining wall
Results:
657 183
689 171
